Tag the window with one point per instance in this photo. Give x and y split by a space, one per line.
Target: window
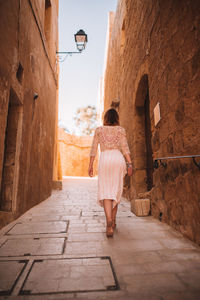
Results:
19 73
12 145
122 41
47 20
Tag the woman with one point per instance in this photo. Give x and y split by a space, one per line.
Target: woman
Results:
112 165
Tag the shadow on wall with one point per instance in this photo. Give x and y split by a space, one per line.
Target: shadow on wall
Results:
74 154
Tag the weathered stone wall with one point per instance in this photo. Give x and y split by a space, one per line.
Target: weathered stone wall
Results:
74 154
154 56
28 42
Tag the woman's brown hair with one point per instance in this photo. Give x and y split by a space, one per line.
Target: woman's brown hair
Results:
111 117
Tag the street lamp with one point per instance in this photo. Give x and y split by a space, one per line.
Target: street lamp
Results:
80 39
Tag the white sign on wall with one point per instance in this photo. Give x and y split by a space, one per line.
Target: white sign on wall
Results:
156 112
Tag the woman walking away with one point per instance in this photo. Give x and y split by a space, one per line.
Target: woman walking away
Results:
112 165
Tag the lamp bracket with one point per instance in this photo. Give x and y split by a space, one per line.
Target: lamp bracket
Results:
69 53
61 56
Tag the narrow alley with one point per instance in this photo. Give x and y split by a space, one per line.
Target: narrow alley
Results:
59 250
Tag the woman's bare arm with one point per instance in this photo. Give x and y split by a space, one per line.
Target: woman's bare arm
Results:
90 169
128 158
129 164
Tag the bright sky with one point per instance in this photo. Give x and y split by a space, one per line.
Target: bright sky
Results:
80 73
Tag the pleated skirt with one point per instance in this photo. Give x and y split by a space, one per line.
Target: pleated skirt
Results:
111 171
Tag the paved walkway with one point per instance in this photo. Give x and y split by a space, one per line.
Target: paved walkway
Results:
58 250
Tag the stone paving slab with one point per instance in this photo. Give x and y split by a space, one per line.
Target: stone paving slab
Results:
9 273
74 237
38 227
148 260
35 218
32 246
158 284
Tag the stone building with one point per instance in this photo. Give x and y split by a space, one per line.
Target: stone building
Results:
152 77
28 103
74 154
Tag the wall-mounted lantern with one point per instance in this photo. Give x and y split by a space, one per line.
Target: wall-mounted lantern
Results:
81 41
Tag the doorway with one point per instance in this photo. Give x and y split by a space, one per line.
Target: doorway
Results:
10 161
149 154
143 155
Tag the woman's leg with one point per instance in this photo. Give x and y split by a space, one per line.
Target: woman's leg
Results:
107 203
114 213
108 212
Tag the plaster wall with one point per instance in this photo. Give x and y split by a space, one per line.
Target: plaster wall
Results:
74 154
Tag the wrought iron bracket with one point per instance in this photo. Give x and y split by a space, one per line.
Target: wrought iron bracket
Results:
69 53
196 163
159 161
164 164
155 164
61 56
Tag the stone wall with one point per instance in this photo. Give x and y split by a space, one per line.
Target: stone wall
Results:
28 103
74 154
154 57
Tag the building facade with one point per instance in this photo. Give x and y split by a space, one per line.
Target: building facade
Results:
74 154
152 77
28 103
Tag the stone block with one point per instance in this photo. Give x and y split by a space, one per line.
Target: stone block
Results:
140 176
57 185
5 218
140 207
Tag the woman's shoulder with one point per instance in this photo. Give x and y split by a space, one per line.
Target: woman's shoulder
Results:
99 128
122 129
104 127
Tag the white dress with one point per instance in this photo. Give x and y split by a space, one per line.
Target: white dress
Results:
112 165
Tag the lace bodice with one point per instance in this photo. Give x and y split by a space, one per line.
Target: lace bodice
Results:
110 137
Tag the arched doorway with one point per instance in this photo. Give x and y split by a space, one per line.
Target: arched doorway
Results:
143 149
10 171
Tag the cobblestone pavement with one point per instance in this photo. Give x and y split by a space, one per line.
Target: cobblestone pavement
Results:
59 250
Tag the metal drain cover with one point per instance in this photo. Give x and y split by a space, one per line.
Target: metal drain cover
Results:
38 228
70 276
32 246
